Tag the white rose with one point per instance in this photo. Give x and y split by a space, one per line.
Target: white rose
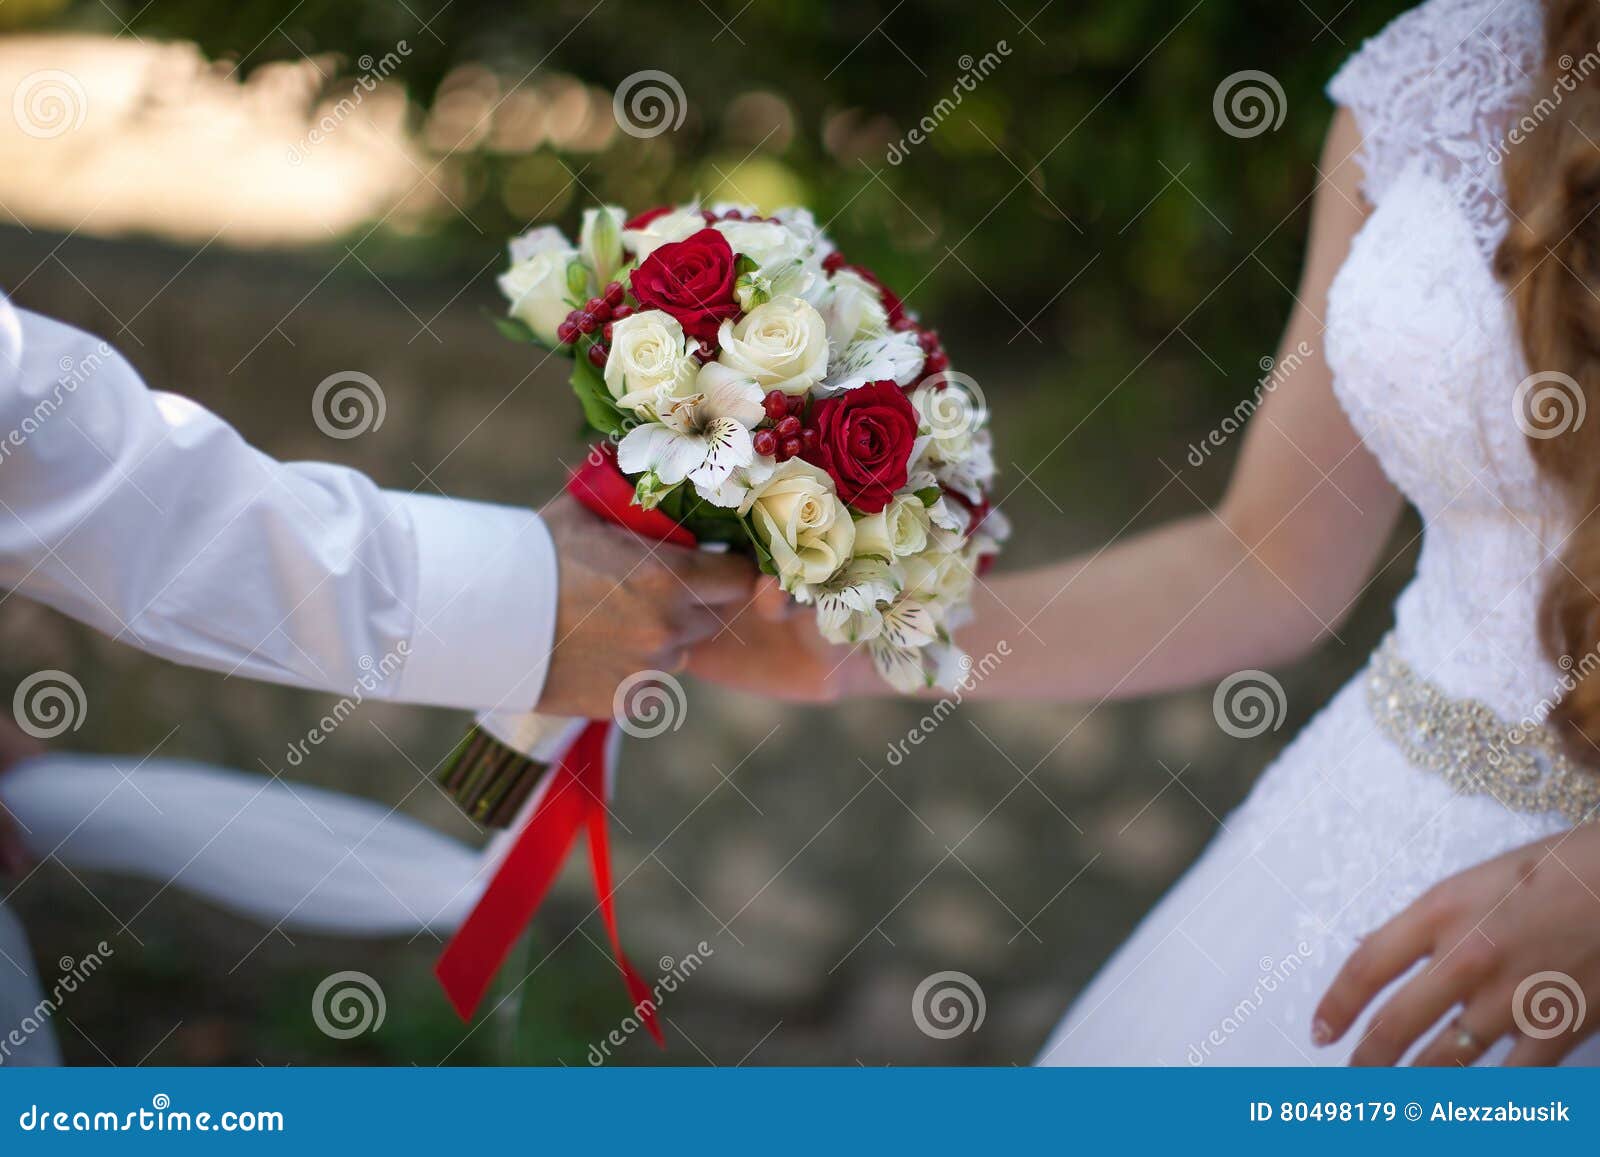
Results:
544 239
897 531
854 309
668 227
536 283
938 577
797 516
783 345
649 358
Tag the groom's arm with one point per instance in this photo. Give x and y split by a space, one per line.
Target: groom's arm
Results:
151 519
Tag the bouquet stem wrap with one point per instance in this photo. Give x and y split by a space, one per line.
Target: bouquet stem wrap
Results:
547 777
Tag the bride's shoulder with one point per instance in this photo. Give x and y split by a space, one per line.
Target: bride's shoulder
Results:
1439 80
1437 31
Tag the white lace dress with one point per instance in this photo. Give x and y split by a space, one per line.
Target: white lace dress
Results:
1343 831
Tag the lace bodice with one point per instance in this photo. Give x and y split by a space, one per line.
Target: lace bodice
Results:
1421 340
1435 90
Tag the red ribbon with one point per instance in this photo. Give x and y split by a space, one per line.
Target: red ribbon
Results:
601 486
574 798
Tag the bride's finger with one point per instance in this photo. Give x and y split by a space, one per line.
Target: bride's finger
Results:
1536 1052
1466 1037
1438 986
1380 958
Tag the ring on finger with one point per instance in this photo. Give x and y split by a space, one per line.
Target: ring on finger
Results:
1464 1039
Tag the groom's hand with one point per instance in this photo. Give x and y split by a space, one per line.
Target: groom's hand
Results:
627 605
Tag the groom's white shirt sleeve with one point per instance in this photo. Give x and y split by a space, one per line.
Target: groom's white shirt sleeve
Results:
148 517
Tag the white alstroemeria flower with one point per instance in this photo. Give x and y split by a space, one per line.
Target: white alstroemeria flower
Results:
895 356
995 530
951 666
972 473
940 513
764 242
650 359
848 604
950 418
802 280
898 649
703 437
786 263
803 223
536 283
665 229
736 488
854 310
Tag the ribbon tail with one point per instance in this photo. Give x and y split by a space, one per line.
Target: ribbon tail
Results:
644 1001
480 946
574 797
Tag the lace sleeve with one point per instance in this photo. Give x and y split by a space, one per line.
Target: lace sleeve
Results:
1436 88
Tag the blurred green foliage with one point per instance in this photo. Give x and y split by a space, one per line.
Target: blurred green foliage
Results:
1079 226
1091 144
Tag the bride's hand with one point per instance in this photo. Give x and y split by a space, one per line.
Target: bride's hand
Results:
1513 946
773 649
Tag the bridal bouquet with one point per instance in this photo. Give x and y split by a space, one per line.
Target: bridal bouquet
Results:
754 391
763 392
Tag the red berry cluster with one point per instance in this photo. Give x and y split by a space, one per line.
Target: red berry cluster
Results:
711 218
788 437
596 313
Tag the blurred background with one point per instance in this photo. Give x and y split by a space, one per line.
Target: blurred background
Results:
247 198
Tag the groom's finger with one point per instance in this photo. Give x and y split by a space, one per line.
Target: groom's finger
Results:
698 623
711 579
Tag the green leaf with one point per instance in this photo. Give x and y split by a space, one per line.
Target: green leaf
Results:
763 555
598 408
928 495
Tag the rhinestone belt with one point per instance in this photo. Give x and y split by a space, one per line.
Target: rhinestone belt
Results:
1522 765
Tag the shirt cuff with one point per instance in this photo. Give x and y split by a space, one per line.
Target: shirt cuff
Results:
485 606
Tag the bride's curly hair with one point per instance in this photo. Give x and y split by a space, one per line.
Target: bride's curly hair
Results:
1550 264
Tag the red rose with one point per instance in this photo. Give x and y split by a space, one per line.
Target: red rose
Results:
649 215
864 441
692 280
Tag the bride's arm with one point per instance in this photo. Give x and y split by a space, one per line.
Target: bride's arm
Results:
1255 581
